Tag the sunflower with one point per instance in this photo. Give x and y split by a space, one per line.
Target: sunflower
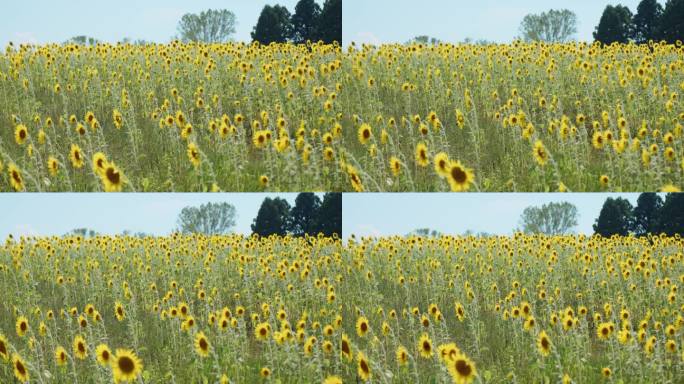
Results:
202 345
606 372
20 134
597 140
362 326
4 348
52 165
543 343
332 380
119 311
103 354
265 372
425 346
126 366
99 163
401 355
422 155
194 154
263 181
364 133
363 367
15 177
395 165
345 347
354 178
460 177
442 164
76 156
60 356
540 154
21 326
461 369
448 351
112 179
259 139
262 331
20 369
604 180
669 188
80 347
604 331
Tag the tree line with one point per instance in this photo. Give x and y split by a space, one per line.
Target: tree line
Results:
651 215
652 22
309 22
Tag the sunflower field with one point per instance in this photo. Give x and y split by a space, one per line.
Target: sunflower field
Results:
285 117
192 308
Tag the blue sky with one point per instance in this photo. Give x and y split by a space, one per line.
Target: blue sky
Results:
44 21
498 213
383 21
154 213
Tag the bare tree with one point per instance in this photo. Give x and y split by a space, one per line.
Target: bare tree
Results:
550 219
212 26
209 219
552 26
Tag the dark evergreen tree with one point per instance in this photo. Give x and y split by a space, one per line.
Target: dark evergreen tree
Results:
615 218
273 26
330 22
330 215
272 218
672 22
646 21
672 214
615 25
647 214
304 216
305 21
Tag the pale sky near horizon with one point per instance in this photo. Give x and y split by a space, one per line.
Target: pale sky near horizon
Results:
154 213
397 21
382 214
47 21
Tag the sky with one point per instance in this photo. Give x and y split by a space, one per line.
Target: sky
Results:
154 213
45 21
382 214
390 21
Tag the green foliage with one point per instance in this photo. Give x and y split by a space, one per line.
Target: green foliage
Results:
304 215
646 21
554 26
647 214
273 26
616 218
305 21
330 22
672 214
615 25
672 22
83 40
329 215
273 217
550 219
424 39
208 219
211 26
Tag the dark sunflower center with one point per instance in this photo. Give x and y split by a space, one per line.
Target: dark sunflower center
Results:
20 368
463 368
364 366
22 134
364 327
203 344
114 177
604 331
459 175
544 343
426 346
81 347
366 134
77 155
262 331
126 364
16 177
345 347
105 355
3 348
23 327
